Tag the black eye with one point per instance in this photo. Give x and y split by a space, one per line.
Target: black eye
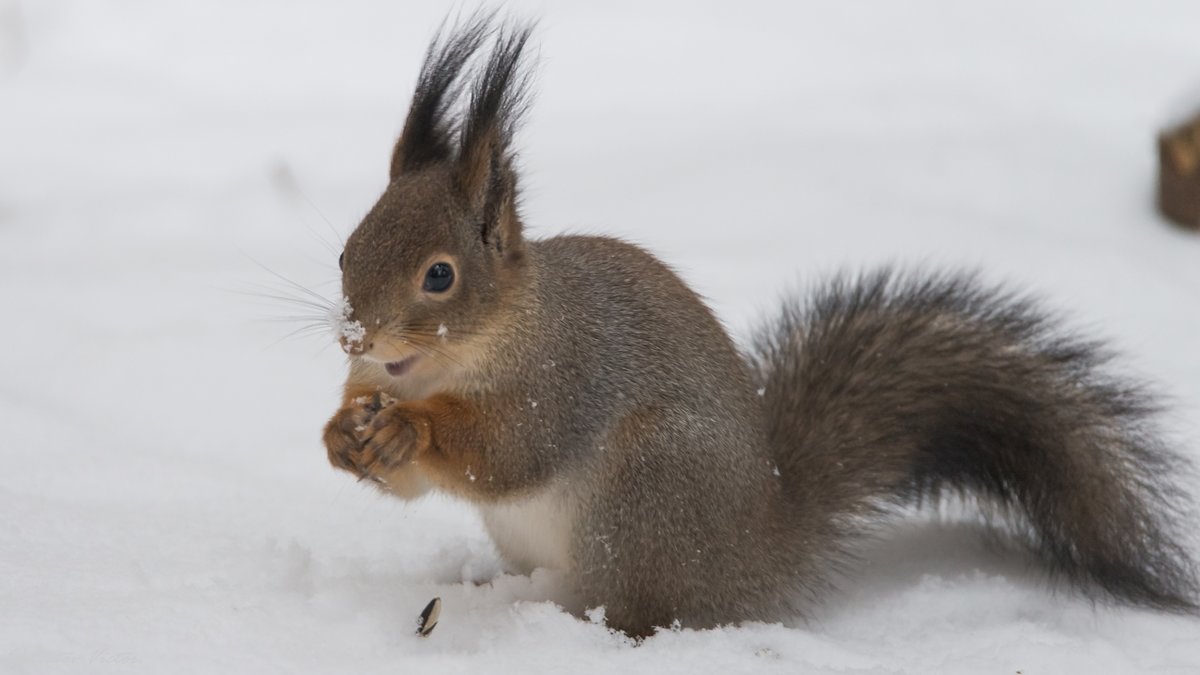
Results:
342 260
439 278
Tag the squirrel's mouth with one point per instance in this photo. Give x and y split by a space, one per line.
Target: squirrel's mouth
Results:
399 368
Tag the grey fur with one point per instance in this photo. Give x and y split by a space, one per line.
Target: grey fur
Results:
905 387
691 497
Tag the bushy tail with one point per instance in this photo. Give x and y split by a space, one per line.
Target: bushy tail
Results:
891 387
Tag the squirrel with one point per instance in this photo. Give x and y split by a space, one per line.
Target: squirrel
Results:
596 412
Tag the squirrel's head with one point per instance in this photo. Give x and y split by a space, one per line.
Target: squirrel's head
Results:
437 259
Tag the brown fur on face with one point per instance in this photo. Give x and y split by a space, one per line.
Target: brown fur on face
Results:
449 201
420 219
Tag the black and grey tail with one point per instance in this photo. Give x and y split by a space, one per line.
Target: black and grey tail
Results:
893 387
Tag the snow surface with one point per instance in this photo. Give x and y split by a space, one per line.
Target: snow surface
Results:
167 506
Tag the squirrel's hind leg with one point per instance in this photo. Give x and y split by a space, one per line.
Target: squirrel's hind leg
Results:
684 528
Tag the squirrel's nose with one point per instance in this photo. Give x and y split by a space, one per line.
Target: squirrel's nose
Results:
354 347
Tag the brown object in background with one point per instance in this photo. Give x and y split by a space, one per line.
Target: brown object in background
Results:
1179 173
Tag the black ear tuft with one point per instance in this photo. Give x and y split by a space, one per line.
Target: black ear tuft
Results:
500 95
429 127
482 159
499 100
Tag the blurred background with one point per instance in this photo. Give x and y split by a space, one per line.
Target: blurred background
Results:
166 165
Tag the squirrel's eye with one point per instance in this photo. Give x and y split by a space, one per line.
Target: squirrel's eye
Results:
439 278
342 260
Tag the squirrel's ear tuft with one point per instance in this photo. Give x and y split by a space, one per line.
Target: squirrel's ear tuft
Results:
486 163
429 128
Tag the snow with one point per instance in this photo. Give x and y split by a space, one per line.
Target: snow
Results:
167 502
343 326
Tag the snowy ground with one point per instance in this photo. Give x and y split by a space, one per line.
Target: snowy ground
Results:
166 504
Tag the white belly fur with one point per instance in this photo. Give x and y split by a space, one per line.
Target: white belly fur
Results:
534 531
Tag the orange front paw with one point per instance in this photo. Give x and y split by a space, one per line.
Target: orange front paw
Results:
395 436
341 443
345 433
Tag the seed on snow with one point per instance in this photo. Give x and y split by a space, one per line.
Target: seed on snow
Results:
429 617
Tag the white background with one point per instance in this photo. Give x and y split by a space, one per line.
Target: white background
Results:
165 503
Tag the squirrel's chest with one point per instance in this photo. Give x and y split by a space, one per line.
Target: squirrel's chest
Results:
534 531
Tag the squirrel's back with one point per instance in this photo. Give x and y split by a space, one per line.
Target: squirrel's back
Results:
630 327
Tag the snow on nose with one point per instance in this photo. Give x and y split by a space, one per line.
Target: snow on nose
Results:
349 331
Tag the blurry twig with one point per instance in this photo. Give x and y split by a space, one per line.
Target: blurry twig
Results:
286 183
14 40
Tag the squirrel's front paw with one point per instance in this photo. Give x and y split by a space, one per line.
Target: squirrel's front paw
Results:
375 434
341 442
344 433
395 436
